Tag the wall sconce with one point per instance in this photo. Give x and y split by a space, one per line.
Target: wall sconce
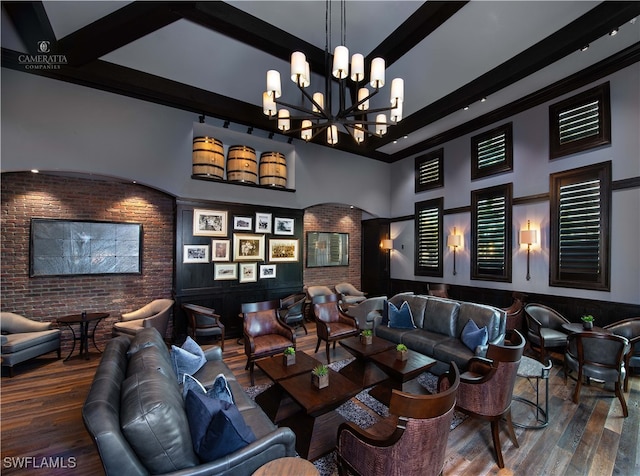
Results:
454 241
386 245
528 237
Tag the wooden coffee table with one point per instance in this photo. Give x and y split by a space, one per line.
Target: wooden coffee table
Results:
401 372
362 370
274 401
316 424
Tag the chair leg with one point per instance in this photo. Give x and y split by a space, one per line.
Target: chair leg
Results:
576 393
512 433
306 332
327 351
626 381
620 395
251 374
317 345
495 432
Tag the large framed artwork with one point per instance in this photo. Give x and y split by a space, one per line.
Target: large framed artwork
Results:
282 250
68 247
209 223
327 249
247 247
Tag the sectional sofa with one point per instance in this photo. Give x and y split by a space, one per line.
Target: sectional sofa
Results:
136 414
439 325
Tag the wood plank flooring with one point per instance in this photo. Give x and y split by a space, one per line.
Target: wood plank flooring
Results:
42 428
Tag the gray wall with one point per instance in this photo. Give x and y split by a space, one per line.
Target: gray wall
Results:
530 176
56 126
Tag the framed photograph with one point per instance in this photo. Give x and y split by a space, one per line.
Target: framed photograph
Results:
248 247
209 223
248 272
283 226
243 223
281 250
195 254
220 250
327 249
225 271
267 271
263 222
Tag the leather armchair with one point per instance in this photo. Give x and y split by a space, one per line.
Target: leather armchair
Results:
291 310
599 356
545 329
417 442
350 295
630 329
331 323
486 388
155 314
515 312
24 339
366 312
264 334
203 322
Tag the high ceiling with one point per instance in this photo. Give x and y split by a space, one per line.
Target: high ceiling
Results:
211 58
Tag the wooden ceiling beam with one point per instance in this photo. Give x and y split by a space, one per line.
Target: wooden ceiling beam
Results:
31 23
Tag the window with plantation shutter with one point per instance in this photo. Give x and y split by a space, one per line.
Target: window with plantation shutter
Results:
429 171
428 239
580 211
491 233
580 123
492 151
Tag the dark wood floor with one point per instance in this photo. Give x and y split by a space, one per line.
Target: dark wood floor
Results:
42 424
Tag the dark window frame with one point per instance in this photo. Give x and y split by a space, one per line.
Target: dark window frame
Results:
477 196
581 280
506 165
434 155
600 93
419 269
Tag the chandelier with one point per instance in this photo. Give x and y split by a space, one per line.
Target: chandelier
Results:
317 115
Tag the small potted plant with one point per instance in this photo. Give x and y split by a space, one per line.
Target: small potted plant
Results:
366 336
402 352
289 356
587 322
320 376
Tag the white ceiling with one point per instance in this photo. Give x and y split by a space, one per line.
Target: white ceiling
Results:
481 36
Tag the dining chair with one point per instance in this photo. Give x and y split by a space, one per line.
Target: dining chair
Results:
203 322
629 328
291 310
331 323
544 329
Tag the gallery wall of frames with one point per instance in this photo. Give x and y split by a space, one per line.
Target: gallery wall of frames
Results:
229 253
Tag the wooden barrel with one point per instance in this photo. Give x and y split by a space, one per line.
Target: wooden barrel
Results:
208 157
242 165
273 169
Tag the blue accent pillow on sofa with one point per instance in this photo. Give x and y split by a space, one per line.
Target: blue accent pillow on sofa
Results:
187 359
217 427
220 388
473 336
401 318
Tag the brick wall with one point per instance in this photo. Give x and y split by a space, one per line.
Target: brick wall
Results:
27 195
332 218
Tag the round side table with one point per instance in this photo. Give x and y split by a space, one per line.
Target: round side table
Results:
532 369
289 466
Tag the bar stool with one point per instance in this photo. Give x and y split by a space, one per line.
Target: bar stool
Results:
532 369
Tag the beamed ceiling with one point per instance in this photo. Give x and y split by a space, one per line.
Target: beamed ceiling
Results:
211 58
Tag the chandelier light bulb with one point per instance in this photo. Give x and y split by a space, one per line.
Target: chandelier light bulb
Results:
268 104
273 83
306 78
284 123
396 113
381 124
358 133
357 67
319 99
397 90
332 134
363 93
377 72
298 61
306 133
341 62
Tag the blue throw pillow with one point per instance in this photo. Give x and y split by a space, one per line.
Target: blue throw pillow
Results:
217 427
187 359
220 388
401 318
473 336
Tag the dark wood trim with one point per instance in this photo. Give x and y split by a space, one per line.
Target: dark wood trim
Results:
454 211
541 197
403 218
632 182
34 25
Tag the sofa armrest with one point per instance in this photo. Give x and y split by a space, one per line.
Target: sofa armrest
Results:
213 354
278 444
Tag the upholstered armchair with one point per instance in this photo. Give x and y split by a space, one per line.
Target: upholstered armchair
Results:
515 312
486 388
331 323
629 328
598 356
415 445
24 339
291 310
350 295
544 329
155 314
203 322
366 312
264 334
